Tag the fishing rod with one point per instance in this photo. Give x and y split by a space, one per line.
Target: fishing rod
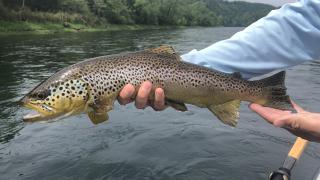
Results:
284 172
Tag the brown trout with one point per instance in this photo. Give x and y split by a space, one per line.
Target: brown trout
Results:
92 86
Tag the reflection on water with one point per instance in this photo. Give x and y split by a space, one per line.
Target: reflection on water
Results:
137 144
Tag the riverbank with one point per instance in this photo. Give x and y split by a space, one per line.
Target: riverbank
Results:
21 27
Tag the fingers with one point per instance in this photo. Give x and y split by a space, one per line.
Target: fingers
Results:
143 95
262 109
305 125
125 95
290 121
304 121
267 113
159 102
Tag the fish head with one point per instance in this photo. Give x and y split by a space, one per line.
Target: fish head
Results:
56 99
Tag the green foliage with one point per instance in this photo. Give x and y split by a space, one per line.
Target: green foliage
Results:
76 6
6 26
197 13
149 12
114 11
238 13
174 12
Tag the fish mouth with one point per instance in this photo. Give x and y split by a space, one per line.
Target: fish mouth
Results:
33 116
36 115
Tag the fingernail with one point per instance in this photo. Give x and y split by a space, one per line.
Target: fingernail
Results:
140 106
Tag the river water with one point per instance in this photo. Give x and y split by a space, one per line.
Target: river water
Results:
138 144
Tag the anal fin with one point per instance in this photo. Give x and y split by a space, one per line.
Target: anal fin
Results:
177 105
228 113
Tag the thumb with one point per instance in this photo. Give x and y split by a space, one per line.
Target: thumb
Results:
291 120
283 121
297 107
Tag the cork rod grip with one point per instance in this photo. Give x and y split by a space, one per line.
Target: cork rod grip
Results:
298 148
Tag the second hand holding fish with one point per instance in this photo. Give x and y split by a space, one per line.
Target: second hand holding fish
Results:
303 123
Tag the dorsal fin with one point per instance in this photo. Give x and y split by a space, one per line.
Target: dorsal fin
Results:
166 51
163 49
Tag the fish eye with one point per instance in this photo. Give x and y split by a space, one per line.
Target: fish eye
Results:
42 94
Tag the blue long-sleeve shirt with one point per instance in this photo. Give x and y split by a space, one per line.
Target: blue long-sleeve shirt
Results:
285 37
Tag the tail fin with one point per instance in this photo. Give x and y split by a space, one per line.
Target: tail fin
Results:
276 92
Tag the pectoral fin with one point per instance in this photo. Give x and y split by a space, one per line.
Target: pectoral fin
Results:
177 105
97 117
99 110
227 113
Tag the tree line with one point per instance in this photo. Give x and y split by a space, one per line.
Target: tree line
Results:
148 12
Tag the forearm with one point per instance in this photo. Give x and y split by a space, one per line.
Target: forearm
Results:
285 37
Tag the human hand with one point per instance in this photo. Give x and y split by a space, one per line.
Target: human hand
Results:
303 123
142 96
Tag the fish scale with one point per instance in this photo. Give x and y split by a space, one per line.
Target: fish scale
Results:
102 78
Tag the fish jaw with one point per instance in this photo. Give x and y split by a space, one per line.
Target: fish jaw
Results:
38 114
34 116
